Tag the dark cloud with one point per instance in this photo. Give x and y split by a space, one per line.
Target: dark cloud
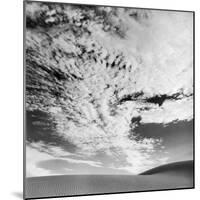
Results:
160 99
157 99
131 97
136 120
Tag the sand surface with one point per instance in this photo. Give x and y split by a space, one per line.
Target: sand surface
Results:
69 185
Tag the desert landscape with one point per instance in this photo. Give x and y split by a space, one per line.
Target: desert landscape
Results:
109 99
171 176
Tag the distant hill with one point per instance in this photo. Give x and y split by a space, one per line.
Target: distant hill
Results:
178 168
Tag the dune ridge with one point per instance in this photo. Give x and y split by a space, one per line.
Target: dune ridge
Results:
182 167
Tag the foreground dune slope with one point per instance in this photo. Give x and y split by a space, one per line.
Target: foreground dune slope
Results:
170 176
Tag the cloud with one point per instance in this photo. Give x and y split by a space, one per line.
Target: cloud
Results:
170 111
113 140
32 157
160 51
38 152
66 167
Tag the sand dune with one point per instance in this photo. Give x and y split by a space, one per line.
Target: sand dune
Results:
178 168
171 176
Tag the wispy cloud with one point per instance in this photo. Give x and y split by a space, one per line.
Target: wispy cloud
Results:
38 152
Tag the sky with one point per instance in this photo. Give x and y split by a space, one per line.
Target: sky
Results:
108 90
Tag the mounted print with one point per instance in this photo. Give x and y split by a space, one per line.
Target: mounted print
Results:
108 99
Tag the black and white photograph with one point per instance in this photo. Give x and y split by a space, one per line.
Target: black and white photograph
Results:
109 99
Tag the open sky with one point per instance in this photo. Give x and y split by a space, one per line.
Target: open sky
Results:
108 90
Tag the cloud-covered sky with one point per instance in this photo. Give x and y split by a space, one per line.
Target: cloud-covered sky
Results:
109 90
